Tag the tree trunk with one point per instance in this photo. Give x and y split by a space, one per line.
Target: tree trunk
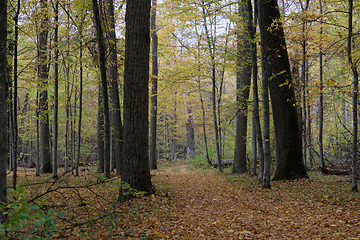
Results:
45 158
204 124
289 158
154 86
115 112
321 108
100 134
190 138
77 163
56 93
266 175
256 117
3 106
135 169
243 80
102 60
37 161
15 97
354 185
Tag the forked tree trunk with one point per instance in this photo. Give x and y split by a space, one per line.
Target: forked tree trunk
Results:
289 157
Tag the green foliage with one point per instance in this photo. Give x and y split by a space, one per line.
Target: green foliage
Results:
199 162
28 220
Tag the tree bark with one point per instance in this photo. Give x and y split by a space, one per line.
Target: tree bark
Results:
100 134
243 80
154 86
289 157
104 89
15 97
56 93
190 138
3 105
45 158
115 112
135 168
256 117
354 185
321 108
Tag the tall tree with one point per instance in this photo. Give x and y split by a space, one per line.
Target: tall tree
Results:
321 107
104 89
15 97
211 42
43 71
56 93
154 86
354 185
289 160
3 105
135 169
115 112
243 80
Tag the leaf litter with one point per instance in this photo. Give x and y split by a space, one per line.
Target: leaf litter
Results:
191 204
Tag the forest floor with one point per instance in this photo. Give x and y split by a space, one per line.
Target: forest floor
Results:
194 204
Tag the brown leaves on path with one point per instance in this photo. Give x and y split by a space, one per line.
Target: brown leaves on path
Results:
190 204
213 206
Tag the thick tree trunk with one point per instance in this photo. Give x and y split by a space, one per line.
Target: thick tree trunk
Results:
243 80
104 89
289 157
3 105
154 86
45 158
135 168
115 112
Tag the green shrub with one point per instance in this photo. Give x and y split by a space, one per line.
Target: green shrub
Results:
27 220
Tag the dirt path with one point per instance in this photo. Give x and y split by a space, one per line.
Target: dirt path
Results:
206 206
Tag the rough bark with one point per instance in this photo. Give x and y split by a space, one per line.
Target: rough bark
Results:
321 107
104 89
354 185
115 112
56 94
15 97
43 70
135 169
243 80
289 157
3 105
154 86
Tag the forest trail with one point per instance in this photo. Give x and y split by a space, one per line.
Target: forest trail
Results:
225 206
